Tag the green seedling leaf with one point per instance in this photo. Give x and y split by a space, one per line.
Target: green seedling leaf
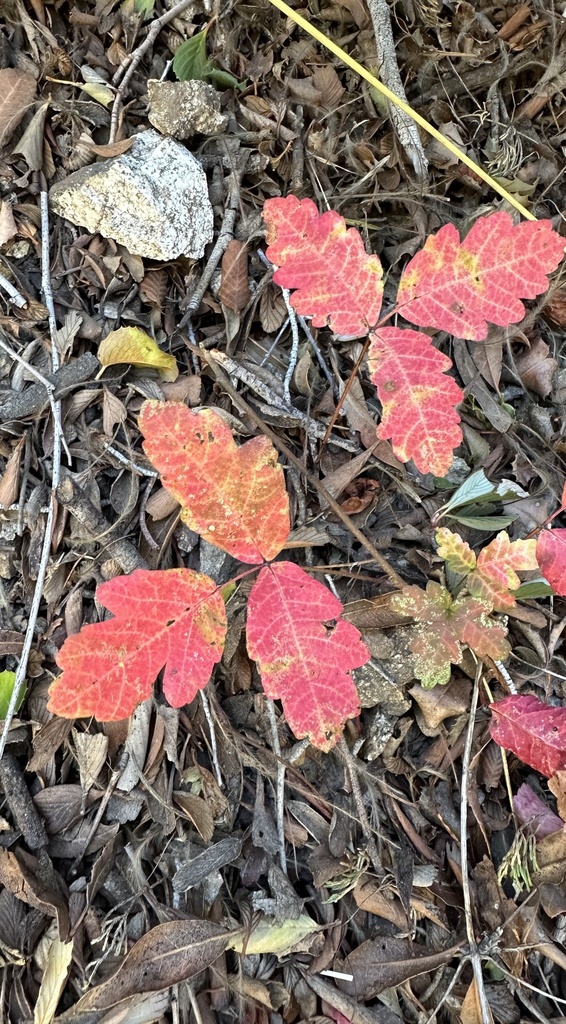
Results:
190 61
224 79
476 486
485 522
7 680
532 589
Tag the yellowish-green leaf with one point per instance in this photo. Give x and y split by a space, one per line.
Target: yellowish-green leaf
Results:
132 345
53 981
275 937
456 552
99 92
7 680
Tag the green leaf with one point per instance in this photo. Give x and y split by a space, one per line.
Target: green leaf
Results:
485 522
533 588
190 60
144 7
476 486
7 680
224 78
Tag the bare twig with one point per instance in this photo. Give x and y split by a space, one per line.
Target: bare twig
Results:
129 65
16 297
352 771
71 495
213 745
55 406
55 471
466 759
280 785
294 347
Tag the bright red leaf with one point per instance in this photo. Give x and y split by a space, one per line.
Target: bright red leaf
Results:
172 618
551 557
418 399
460 287
233 496
445 626
304 651
337 282
534 731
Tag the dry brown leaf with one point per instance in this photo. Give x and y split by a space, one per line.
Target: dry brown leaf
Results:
153 288
471 1008
305 91
386 962
440 703
329 85
91 750
234 290
8 226
113 148
161 504
20 878
272 309
113 412
10 482
536 368
198 811
17 92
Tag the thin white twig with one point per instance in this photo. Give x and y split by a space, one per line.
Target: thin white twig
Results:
49 387
280 785
294 347
16 297
466 760
126 70
56 468
213 745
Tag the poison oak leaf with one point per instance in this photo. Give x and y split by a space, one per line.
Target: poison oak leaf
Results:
456 552
551 557
233 496
173 618
304 651
495 574
417 397
444 626
460 287
534 731
337 283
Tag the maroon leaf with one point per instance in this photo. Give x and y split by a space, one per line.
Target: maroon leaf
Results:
533 730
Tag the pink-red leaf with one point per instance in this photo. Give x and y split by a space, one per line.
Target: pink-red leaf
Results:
234 497
304 651
534 731
174 618
418 399
495 575
337 282
534 814
551 557
460 287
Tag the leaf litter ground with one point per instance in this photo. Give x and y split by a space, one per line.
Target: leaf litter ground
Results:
147 841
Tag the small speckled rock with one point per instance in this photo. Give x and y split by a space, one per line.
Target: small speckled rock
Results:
153 199
182 109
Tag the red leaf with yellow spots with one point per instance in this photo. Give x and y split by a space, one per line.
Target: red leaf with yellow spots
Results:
534 731
418 399
495 574
304 651
337 283
460 287
233 496
173 618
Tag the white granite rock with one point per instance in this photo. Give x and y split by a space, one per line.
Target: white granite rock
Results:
182 109
153 199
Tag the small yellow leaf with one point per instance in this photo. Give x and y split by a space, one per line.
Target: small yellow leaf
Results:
99 92
132 345
271 936
53 981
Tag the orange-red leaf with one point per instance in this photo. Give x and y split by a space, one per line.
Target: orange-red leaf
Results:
495 574
534 731
460 287
418 399
305 651
444 627
174 618
551 557
337 282
233 496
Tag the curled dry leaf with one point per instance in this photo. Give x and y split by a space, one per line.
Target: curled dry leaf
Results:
132 345
536 367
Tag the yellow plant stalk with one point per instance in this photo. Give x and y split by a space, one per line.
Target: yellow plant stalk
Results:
364 73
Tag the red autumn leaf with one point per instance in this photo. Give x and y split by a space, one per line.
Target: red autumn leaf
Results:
418 399
304 651
460 287
233 496
493 575
174 618
551 557
444 626
534 731
337 282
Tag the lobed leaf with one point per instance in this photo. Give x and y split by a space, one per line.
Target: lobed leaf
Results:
418 399
456 552
174 618
337 283
460 287
534 731
304 651
495 574
444 626
233 496
551 557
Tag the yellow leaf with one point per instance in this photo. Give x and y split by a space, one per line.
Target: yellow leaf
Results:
132 345
53 981
271 936
99 92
